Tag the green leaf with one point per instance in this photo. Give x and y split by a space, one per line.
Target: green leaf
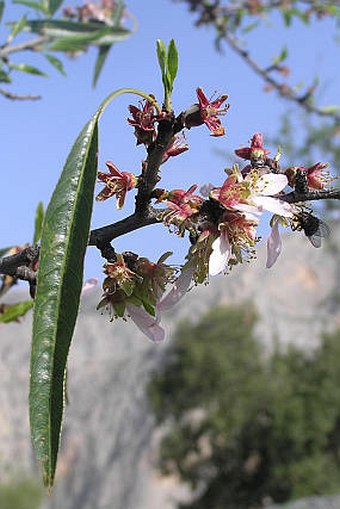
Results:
103 52
2 8
60 28
18 26
161 54
302 16
56 63
4 78
63 28
34 5
28 68
105 49
75 43
289 13
63 245
168 63
118 13
53 6
250 27
103 37
38 223
15 311
287 17
172 62
281 57
330 109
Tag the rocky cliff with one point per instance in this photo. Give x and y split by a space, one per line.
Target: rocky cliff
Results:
109 441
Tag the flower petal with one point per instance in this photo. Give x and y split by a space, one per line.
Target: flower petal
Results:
179 289
247 209
274 245
220 255
271 183
146 323
274 205
202 98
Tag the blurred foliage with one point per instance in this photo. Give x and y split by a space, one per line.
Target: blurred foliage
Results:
99 24
233 20
318 141
21 494
321 140
241 427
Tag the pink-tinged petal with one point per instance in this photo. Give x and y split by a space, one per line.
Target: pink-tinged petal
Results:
202 98
219 101
220 255
274 205
113 169
245 152
146 323
179 289
88 285
104 194
271 183
274 245
215 126
257 141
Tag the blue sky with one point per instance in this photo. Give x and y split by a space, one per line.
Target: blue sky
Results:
37 136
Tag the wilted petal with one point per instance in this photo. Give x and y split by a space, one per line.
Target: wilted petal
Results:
220 255
146 323
274 245
274 205
178 290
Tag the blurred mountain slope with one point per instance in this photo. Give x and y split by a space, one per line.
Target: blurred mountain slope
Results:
109 441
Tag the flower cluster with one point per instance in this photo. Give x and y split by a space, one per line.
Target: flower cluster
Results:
222 222
136 287
226 224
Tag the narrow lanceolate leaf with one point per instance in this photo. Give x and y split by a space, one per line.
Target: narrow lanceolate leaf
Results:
102 37
18 26
103 52
30 69
63 245
53 6
161 54
172 62
37 6
58 28
56 63
38 222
